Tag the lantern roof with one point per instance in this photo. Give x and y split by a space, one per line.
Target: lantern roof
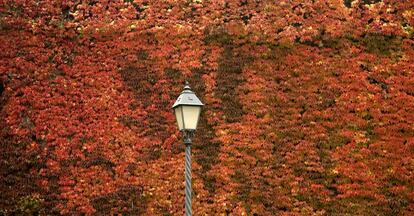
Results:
187 97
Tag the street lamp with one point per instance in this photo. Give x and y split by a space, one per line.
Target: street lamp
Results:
187 110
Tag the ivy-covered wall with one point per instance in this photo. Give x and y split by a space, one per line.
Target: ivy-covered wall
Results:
308 107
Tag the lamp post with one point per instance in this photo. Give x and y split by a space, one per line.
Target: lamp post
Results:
187 110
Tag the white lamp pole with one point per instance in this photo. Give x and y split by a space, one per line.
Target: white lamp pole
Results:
187 110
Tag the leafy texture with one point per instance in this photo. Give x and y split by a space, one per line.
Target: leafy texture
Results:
309 107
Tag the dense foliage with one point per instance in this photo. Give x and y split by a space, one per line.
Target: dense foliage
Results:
309 106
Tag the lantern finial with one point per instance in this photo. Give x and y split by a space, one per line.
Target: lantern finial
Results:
186 85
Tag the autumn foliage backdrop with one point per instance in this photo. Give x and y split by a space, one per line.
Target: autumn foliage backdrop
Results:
309 106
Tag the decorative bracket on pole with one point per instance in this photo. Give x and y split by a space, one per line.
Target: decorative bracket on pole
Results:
188 136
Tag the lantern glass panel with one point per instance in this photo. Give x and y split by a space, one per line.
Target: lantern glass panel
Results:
179 117
191 114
